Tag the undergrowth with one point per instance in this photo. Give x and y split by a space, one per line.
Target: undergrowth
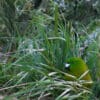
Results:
34 51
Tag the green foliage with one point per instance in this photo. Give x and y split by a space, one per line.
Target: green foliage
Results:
35 46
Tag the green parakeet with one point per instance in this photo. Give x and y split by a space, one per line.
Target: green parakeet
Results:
78 68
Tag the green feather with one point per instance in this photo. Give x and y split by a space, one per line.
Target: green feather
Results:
78 67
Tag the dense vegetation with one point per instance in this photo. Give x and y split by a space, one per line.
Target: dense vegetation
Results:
37 37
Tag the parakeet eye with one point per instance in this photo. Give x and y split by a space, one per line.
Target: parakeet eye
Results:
67 66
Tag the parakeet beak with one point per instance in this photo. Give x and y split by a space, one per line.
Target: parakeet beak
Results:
67 66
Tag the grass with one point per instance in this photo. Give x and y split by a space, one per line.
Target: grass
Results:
32 67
